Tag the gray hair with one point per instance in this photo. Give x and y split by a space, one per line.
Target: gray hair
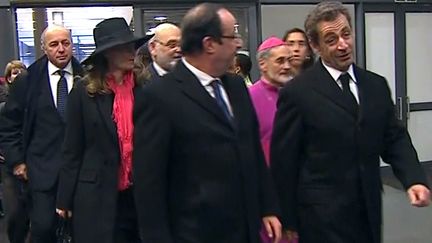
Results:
324 11
264 54
50 28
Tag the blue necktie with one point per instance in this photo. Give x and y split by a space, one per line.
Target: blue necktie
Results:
216 85
62 93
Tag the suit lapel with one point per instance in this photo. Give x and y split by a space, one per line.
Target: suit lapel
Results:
326 85
193 89
104 105
364 96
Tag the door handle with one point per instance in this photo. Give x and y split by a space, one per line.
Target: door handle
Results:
400 108
408 107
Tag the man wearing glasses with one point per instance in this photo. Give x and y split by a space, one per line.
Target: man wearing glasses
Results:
164 49
199 171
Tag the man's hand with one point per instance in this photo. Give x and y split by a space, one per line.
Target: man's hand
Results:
273 228
419 195
62 213
20 171
291 235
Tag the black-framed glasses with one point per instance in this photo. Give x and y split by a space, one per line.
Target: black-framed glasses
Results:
171 44
234 36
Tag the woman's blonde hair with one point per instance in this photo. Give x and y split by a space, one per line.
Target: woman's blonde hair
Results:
96 72
14 64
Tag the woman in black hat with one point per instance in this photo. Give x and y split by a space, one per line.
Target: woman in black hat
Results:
95 184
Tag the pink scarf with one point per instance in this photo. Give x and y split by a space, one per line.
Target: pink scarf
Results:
122 115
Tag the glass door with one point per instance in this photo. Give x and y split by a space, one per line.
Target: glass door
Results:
398 45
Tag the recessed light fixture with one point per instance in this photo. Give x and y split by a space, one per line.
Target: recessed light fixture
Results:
160 18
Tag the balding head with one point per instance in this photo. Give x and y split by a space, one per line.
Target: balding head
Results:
165 45
56 42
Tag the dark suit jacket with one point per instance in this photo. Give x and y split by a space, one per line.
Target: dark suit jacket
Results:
326 162
154 74
18 120
88 182
198 178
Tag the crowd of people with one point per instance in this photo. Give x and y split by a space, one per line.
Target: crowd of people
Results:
165 138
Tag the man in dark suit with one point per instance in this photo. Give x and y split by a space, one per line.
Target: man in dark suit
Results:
164 48
199 172
32 127
333 123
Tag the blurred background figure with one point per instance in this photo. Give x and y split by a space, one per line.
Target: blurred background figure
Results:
13 68
14 203
303 55
165 49
242 66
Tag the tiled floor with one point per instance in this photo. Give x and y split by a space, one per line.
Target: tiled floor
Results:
402 223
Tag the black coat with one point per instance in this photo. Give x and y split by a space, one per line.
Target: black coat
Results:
198 178
88 183
325 161
17 125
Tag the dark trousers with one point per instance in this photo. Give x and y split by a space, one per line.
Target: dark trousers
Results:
43 216
16 203
126 225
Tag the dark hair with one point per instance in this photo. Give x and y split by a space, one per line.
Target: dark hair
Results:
199 22
324 11
245 64
308 61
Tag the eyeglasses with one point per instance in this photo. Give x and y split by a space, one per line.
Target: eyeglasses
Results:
171 44
234 36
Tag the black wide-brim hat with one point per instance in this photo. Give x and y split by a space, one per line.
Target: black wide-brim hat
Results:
110 33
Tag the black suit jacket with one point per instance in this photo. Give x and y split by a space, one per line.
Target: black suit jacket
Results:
325 161
198 177
18 119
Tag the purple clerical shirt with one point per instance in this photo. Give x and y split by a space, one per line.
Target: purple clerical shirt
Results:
264 97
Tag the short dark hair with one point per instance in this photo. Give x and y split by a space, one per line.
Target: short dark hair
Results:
245 63
324 11
201 21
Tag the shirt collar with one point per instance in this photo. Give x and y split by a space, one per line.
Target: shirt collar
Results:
52 69
267 85
336 73
203 77
159 69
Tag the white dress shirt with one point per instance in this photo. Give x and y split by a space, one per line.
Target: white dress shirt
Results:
54 78
352 82
205 81
161 72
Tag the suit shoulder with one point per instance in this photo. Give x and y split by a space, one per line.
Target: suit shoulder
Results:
370 74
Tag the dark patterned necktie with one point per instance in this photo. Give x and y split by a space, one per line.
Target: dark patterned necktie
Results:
216 85
62 93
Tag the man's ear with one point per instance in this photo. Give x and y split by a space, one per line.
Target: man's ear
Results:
315 47
209 45
262 64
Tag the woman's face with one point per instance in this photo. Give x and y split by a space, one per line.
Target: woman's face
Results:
14 73
121 58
